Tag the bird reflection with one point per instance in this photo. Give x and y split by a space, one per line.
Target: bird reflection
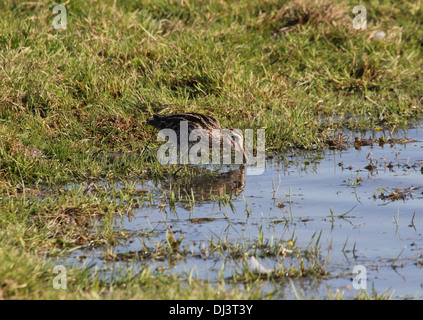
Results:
205 186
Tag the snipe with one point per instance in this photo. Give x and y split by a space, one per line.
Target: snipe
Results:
196 121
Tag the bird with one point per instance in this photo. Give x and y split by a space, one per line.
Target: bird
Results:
197 121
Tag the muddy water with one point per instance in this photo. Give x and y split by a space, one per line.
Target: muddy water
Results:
366 204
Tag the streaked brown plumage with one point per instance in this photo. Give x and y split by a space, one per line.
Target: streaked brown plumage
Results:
195 121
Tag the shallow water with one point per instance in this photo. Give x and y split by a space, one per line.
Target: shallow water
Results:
297 198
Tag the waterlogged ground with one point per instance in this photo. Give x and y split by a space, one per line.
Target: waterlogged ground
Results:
310 218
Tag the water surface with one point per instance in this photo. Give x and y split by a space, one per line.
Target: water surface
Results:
366 205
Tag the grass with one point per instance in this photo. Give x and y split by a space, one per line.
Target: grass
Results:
73 106
26 276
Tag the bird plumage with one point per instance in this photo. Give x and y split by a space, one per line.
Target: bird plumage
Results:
195 121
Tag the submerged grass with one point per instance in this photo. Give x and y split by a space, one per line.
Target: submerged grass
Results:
73 105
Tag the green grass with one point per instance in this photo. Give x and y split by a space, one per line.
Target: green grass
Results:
81 97
26 276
